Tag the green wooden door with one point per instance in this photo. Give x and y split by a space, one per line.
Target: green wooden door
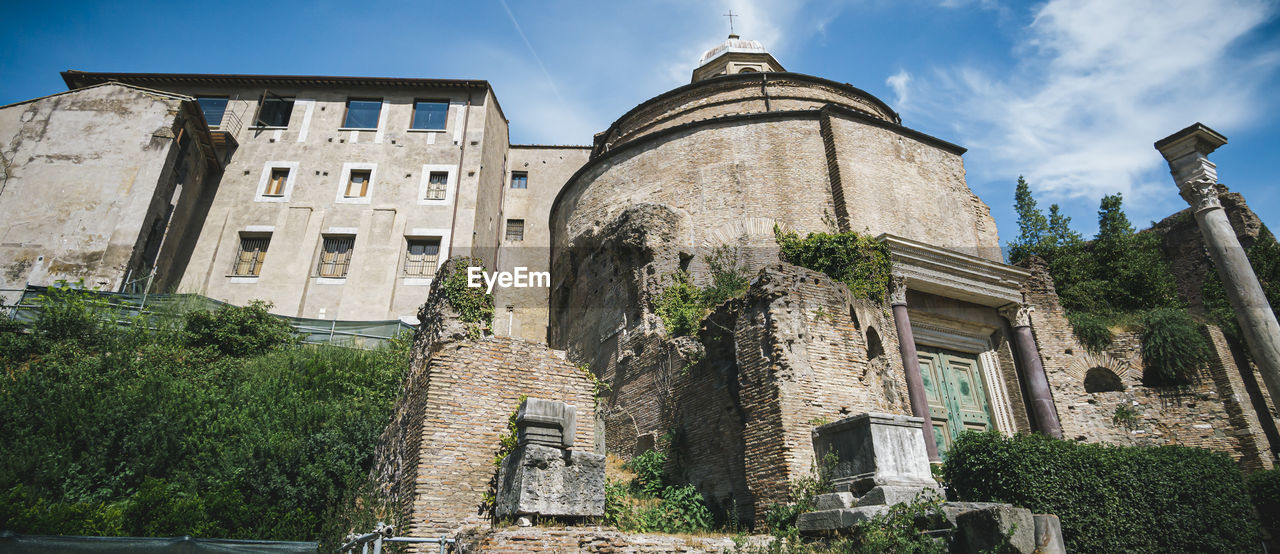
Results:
957 399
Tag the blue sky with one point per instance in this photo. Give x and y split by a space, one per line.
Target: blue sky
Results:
1070 93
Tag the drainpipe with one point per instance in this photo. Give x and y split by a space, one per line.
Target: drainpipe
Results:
457 194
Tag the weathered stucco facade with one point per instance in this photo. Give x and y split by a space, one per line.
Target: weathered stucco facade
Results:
94 180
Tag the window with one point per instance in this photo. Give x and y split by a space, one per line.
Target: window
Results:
362 114
335 256
515 229
358 183
429 115
253 251
519 179
275 184
274 111
437 185
422 258
213 109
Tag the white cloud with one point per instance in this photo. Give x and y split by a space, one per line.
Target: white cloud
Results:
898 82
1096 84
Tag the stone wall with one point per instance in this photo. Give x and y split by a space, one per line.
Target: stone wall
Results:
598 539
434 462
742 93
897 183
1214 412
94 181
741 401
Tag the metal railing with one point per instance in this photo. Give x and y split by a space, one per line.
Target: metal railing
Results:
231 123
384 534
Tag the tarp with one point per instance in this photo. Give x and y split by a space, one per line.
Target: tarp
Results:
126 307
48 544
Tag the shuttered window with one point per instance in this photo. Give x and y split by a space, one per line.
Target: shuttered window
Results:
335 256
253 252
437 185
515 229
422 257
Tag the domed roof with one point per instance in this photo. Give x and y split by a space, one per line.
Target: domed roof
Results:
733 44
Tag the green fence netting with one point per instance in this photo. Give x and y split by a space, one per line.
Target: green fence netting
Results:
38 544
127 307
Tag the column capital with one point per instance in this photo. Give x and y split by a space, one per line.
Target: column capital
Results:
1201 194
1187 152
1019 315
897 290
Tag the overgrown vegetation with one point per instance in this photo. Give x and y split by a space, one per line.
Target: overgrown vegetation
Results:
1093 331
216 425
654 501
683 305
474 304
780 519
1118 279
1264 493
857 260
1172 347
900 530
1111 498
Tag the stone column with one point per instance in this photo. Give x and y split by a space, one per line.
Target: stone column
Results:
911 363
1187 152
1043 412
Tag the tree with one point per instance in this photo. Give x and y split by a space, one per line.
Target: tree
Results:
1033 228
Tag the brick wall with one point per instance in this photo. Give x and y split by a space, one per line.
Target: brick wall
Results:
435 459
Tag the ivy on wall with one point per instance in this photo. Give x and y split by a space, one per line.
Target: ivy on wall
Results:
859 261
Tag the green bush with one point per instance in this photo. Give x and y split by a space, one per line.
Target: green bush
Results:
680 305
474 304
1111 498
1091 330
1264 492
650 472
730 276
655 502
859 261
145 433
238 330
1173 348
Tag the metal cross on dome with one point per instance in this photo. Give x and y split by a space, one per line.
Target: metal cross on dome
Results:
731 15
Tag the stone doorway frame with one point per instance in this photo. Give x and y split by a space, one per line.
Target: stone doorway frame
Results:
954 275
970 339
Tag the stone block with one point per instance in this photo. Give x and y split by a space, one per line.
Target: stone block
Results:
1000 528
537 479
1049 534
875 449
834 520
889 495
546 422
834 501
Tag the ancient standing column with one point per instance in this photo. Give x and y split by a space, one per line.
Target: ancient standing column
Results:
1187 152
1043 412
911 363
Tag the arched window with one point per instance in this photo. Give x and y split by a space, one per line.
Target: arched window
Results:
874 347
1101 379
747 70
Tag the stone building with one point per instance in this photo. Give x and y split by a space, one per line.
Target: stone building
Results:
340 197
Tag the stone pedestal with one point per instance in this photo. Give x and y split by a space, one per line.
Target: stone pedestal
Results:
881 461
542 476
